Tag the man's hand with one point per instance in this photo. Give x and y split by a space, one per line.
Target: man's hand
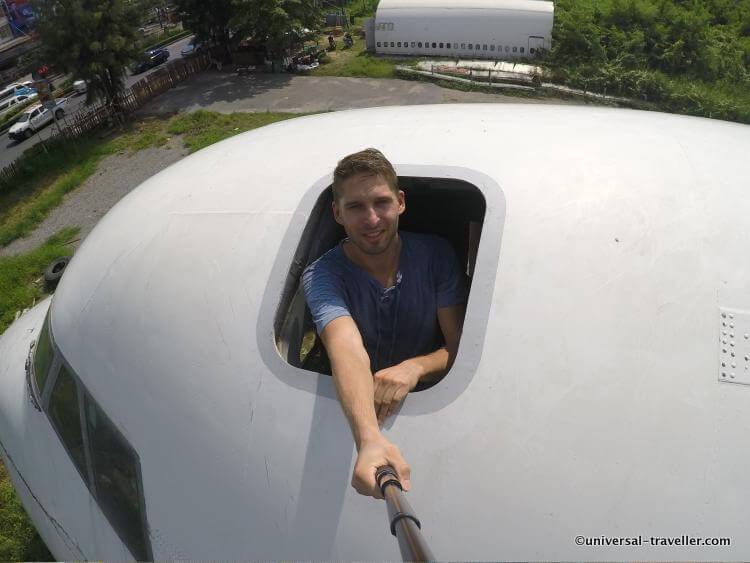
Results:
373 454
392 385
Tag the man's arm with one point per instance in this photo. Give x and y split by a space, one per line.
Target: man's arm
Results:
354 384
394 383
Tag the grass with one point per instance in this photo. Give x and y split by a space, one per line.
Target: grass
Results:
355 62
18 538
202 128
20 275
49 175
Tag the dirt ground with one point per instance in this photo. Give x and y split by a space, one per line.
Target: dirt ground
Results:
116 176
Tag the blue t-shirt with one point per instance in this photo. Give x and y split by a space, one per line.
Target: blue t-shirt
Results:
396 323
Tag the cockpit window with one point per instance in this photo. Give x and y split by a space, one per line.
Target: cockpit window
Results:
451 208
66 417
116 477
43 354
108 464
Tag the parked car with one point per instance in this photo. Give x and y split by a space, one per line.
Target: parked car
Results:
35 118
80 86
151 59
10 104
192 48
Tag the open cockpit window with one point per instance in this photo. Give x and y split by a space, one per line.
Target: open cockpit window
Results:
452 208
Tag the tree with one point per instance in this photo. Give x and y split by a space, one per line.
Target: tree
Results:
209 20
277 23
95 40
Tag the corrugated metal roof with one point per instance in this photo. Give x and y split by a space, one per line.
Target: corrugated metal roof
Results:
524 5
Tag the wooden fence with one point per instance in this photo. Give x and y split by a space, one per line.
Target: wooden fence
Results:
130 100
133 98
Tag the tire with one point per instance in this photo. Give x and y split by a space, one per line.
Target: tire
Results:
27 134
59 113
54 272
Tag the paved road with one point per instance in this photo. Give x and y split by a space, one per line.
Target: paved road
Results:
226 93
11 150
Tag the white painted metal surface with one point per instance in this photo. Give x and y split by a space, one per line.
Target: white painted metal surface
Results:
584 401
480 29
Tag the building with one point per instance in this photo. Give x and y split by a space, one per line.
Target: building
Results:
477 29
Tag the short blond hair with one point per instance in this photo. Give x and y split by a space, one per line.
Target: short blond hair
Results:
368 161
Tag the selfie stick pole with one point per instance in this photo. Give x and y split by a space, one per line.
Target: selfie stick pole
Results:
404 523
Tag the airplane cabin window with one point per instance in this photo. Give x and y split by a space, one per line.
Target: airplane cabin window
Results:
65 415
43 354
116 471
451 208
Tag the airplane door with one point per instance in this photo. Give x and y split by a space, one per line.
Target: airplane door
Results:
536 44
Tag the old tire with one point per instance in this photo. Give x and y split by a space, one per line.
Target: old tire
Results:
27 134
54 272
59 113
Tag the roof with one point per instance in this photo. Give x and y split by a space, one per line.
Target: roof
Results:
521 5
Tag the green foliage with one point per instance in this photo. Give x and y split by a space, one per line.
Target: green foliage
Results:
18 539
210 21
19 275
701 39
361 8
272 23
356 62
202 128
276 24
45 178
688 54
95 40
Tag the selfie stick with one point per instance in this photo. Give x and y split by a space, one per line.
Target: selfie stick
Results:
404 523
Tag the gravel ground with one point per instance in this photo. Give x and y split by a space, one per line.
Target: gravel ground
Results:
116 175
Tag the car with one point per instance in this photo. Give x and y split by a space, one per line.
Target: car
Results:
10 104
151 59
192 48
35 118
80 86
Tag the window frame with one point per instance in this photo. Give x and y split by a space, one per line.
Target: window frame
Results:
273 310
55 370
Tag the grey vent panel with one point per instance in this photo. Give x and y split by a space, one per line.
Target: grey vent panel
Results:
734 346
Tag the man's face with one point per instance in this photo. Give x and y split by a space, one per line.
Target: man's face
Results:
368 210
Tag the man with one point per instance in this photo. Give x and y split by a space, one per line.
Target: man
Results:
388 306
